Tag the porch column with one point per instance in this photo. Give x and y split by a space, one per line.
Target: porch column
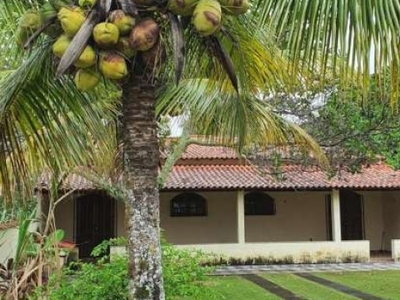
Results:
336 225
240 217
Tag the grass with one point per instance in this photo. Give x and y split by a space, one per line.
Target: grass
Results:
304 288
235 288
384 284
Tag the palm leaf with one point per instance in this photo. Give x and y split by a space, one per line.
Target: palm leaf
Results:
216 111
349 38
49 118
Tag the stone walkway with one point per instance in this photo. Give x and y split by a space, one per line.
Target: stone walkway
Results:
305 268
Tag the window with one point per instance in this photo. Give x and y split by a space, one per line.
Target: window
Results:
188 204
258 203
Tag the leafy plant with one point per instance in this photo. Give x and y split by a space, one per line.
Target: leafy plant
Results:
184 276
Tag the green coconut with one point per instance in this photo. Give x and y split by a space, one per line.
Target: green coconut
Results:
71 19
31 20
105 34
182 7
144 35
28 24
235 7
207 17
87 58
112 65
61 45
123 21
86 79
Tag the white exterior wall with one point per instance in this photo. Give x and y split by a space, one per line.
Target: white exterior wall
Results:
219 226
373 218
298 252
300 216
64 215
396 250
391 213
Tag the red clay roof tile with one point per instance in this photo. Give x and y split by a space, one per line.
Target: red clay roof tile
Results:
292 177
239 176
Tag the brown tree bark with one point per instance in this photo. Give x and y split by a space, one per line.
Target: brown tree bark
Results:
141 157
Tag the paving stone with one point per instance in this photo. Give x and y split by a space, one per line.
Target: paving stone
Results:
301 268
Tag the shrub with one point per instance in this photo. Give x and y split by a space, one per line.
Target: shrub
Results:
183 273
108 280
104 280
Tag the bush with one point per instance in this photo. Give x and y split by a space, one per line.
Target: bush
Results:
183 273
108 280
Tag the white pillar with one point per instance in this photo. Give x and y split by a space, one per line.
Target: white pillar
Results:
240 217
336 224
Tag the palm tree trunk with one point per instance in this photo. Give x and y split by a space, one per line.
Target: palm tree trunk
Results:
141 157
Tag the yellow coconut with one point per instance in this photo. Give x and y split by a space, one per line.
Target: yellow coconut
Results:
207 17
182 7
112 65
87 3
71 18
86 79
123 21
105 34
124 48
87 58
144 35
235 7
61 45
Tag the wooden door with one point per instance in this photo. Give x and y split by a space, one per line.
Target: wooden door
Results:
95 222
352 215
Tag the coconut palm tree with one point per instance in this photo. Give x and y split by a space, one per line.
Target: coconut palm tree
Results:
216 80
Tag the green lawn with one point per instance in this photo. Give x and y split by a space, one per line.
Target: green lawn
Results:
304 288
384 284
235 288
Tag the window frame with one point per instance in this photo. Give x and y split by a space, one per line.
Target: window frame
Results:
199 202
270 209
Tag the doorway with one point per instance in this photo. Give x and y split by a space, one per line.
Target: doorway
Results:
95 222
352 215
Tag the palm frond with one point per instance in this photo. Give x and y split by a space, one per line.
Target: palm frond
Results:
46 117
216 111
336 35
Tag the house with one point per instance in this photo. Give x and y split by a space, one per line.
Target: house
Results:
215 201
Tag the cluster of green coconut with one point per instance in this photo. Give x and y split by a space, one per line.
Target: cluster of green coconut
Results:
119 37
207 14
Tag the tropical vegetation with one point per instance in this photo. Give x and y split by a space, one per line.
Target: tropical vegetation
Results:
219 81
